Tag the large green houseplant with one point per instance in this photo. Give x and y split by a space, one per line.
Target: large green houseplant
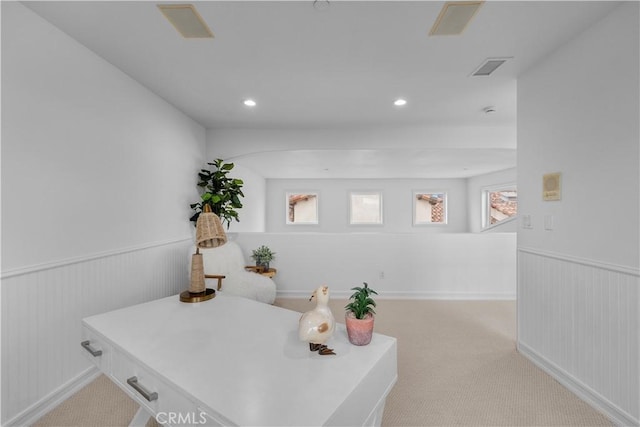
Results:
359 315
221 192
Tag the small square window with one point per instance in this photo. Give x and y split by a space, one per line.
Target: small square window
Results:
365 207
500 204
429 208
302 208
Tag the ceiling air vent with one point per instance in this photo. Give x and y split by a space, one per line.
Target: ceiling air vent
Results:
489 66
186 19
454 17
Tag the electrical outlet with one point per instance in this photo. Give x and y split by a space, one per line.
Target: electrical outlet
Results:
382 275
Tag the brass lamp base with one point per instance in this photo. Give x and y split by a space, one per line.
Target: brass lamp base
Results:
187 296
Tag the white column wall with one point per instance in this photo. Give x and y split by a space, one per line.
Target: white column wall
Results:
579 282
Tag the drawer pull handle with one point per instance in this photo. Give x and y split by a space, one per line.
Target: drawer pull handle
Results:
150 396
87 346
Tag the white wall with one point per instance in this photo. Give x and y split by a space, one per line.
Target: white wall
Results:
1 409
580 117
578 285
430 261
397 194
228 143
91 160
413 265
97 177
235 143
252 215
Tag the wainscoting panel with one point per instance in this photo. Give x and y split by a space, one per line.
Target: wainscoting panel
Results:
579 320
42 308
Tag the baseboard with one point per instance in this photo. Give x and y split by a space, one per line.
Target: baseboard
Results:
594 399
39 409
408 295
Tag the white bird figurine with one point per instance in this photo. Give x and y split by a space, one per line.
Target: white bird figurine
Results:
317 326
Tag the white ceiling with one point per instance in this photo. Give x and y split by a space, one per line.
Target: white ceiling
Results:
337 68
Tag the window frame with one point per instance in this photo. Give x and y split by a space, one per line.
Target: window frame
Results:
445 205
486 204
287 198
353 193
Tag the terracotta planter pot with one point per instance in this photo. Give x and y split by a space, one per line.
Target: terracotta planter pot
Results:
359 331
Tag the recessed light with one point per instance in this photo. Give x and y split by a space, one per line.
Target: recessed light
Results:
249 102
400 102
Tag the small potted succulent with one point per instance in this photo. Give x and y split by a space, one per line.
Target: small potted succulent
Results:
262 256
359 315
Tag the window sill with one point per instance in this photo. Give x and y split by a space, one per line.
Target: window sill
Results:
503 222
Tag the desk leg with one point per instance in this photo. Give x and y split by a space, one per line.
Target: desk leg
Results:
140 418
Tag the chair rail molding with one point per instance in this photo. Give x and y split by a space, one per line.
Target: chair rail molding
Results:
5 274
634 271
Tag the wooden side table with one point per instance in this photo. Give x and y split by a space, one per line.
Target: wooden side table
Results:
270 273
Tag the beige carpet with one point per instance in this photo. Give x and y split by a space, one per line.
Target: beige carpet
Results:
457 365
101 403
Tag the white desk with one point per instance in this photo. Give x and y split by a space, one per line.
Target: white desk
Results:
234 361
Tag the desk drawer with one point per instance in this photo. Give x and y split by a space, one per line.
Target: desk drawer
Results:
96 349
164 402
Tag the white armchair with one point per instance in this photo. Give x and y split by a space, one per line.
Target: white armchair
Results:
227 260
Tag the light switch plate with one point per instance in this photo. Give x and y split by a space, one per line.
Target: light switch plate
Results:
548 222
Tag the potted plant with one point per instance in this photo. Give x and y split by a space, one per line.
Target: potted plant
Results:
359 315
263 255
220 192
